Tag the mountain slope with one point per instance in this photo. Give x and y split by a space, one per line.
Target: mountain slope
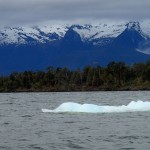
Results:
35 48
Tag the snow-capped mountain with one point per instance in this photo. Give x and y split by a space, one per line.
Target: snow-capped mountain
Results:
87 32
34 48
25 35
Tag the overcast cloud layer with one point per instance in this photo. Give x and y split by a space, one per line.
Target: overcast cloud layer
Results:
35 12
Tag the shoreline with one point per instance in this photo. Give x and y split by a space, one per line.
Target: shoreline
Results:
76 90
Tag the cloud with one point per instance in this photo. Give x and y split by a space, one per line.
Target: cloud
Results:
13 12
144 47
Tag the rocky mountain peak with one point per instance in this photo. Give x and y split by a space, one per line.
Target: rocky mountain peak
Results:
134 25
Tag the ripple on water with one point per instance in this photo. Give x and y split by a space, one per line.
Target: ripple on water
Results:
36 147
73 145
129 137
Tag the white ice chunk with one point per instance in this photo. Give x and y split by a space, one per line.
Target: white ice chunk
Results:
92 108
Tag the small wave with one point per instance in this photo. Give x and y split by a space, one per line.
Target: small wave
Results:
91 108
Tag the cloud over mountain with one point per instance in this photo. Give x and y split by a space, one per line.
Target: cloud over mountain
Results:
14 12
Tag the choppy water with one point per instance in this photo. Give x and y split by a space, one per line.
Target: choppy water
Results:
24 126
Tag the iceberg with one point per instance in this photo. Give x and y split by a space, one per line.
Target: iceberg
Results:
72 107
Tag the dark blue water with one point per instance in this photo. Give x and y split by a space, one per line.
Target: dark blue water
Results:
24 126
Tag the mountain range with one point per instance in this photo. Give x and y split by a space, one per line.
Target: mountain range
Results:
73 46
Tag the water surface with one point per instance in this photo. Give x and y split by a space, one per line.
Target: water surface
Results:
24 126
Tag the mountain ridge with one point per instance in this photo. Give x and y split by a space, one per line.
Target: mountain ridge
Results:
73 46
43 34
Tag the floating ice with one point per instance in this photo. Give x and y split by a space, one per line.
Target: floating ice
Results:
91 108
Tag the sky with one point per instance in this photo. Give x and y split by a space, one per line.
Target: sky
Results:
36 12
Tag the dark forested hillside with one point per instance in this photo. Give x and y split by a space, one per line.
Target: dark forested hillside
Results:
115 76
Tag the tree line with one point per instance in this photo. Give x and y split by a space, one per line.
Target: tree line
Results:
115 76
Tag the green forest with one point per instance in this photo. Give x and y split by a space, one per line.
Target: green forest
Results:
115 76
